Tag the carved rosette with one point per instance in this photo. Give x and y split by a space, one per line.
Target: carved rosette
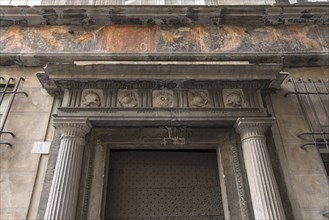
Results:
91 98
163 98
234 98
198 98
127 98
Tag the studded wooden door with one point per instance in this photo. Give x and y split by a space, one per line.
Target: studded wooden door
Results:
164 185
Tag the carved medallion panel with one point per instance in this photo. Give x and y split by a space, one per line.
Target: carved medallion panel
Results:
198 98
163 99
91 98
234 98
127 98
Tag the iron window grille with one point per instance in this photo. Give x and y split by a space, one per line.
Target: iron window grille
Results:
8 92
313 99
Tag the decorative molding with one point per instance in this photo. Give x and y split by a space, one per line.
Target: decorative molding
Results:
72 127
239 179
265 198
198 98
163 98
127 98
49 84
252 127
64 191
91 98
161 84
234 98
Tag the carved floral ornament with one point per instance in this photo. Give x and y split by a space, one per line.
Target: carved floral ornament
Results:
91 98
234 98
198 98
163 98
127 98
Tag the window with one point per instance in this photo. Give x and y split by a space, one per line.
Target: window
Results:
8 91
313 99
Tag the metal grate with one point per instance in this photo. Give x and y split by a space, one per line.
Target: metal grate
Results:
8 91
313 99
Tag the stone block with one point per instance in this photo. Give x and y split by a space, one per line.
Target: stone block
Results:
38 100
13 213
285 105
312 191
18 158
297 156
314 214
18 183
31 126
29 74
290 125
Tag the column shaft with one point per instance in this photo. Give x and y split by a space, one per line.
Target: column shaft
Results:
62 201
264 192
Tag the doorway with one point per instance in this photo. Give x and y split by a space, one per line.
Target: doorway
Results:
163 184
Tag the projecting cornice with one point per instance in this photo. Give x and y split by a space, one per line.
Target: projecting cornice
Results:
170 15
157 75
162 70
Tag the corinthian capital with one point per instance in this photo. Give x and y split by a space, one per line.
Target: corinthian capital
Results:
72 127
252 127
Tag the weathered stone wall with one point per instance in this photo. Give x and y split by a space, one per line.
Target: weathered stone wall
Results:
305 176
21 172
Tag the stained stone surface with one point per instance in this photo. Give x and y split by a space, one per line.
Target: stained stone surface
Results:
162 38
20 170
307 182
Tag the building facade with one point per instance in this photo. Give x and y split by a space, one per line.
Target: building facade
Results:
164 109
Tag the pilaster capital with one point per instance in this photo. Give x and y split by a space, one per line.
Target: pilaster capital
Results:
252 127
72 127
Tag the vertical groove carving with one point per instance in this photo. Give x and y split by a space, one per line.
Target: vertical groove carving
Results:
265 195
64 190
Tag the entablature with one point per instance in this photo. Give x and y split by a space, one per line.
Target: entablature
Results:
161 93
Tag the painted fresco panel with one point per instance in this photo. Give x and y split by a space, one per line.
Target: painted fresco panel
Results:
152 39
129 38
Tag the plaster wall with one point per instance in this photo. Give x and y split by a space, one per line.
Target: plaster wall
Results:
304 173
22 172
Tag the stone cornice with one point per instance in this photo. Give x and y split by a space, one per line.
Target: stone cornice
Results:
236 14
163 70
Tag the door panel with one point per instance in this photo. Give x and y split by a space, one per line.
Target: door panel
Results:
163 185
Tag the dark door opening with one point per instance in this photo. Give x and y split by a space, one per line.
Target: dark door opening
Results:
163 185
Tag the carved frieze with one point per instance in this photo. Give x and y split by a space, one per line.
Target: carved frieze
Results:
91 98
198 98
234 98
163 98
127 98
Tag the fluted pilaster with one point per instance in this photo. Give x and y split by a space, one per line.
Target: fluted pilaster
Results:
264 192
62 201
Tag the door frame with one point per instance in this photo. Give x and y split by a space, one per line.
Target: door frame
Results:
101 141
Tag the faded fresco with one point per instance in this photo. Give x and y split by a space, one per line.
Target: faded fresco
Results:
152 39
129 38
